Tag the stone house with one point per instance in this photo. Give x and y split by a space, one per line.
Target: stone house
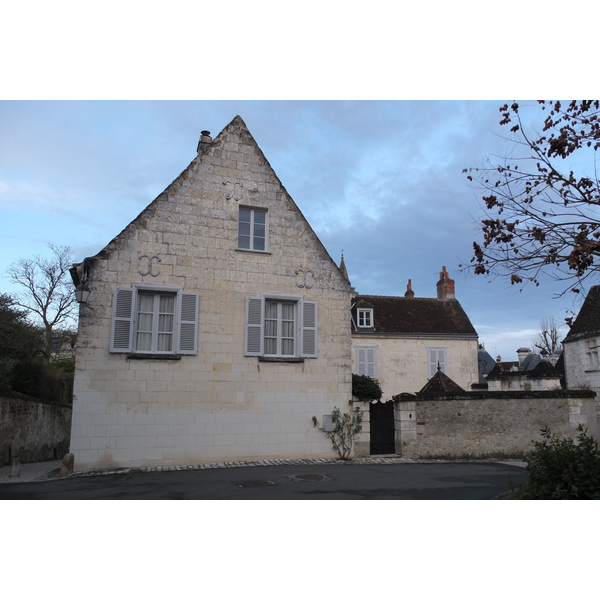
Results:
581 347
401 341
404 343
215 325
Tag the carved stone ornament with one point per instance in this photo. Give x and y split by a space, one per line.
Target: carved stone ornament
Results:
234 190
149 270
307 278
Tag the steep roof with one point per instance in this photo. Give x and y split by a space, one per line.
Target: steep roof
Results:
587 322
400 315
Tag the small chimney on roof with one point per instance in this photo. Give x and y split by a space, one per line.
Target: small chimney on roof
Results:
409 291
445 286
523 353
204 141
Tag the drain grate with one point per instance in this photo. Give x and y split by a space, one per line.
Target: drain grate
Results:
253 483
309 477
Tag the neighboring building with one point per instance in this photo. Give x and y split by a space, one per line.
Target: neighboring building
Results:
216 324
401 341
531 372
581 347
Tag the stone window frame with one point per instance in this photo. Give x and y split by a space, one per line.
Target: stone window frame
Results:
592 354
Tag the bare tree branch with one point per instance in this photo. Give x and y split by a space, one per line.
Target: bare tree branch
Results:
46 289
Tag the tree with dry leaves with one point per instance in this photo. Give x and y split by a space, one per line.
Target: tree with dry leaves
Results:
46 290
542 202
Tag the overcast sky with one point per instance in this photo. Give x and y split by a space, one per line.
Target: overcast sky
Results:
380 181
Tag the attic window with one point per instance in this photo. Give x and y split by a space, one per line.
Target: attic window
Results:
365 317
252 229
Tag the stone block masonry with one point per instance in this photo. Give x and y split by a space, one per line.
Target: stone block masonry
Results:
495 425
33 431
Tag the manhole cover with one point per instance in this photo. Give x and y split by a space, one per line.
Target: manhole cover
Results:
310 477
252 483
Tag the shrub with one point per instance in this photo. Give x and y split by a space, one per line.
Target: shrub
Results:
365 388
347 427
561 469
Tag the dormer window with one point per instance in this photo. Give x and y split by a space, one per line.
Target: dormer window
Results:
365 317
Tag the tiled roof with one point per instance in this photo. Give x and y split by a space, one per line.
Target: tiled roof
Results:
440 382
588 319
394 314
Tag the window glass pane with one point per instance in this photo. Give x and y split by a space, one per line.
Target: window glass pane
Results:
167 304
165 323
165 342
244 229
245 215
259 244
145 322
260 217
287 347
144 342
244 242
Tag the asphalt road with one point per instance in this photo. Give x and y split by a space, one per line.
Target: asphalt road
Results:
431 481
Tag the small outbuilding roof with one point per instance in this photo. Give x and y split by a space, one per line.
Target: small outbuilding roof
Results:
440 382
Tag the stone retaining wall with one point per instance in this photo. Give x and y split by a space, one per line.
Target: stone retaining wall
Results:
33 431
481 425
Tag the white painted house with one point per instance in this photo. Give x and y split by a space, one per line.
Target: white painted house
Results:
401 341
216 324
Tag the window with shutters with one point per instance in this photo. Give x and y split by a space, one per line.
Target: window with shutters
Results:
366 361
281 327
154 321
437 357
252 229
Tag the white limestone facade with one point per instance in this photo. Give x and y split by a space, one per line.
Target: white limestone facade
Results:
217 324
404 364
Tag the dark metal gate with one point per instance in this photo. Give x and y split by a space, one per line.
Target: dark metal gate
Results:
382 428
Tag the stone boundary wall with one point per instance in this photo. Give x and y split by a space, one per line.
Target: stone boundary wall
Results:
488 425
33 431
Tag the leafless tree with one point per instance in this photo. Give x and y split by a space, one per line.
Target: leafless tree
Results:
45 289
549 338
541 217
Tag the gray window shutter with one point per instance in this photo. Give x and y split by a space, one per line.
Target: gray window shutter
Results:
254 327
437 356
122 320
367 361
188 323
309 329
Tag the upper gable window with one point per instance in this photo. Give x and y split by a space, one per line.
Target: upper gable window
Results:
252 229
365 317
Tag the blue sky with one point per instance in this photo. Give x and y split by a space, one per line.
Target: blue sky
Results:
380 180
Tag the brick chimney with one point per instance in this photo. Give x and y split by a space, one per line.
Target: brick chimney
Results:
445 286
204 141
409 291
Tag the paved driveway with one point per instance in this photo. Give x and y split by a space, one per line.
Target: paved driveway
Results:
418 481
